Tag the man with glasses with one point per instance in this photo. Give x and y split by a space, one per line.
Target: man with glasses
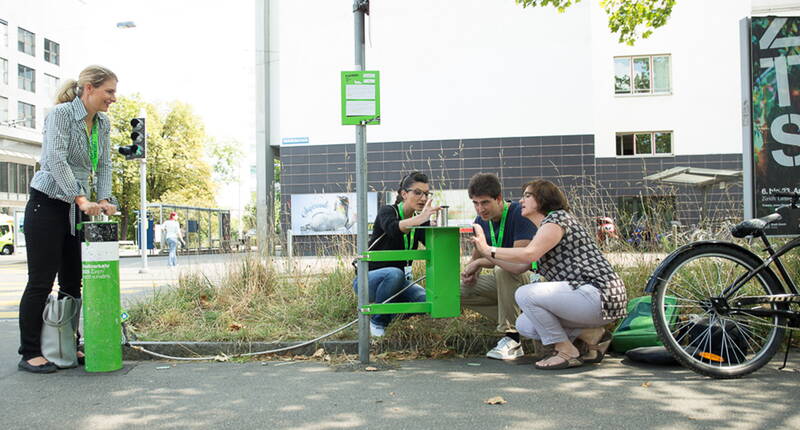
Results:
492 294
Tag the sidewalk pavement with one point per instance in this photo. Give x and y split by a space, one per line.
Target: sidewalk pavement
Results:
421 394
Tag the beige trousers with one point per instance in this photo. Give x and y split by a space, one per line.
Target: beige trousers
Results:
492 295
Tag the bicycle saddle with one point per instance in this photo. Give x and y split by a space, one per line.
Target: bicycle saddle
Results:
753 226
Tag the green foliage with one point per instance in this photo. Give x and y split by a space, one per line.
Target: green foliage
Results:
225 157
176 170
624 16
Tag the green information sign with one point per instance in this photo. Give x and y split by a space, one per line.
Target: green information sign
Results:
361 98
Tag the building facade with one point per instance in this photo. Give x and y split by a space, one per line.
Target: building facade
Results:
30 75
469 86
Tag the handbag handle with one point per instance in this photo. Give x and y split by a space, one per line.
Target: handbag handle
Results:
63 321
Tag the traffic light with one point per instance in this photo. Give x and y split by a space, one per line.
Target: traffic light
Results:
138 141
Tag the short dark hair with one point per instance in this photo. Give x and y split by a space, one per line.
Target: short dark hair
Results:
547 194
485 184
408 181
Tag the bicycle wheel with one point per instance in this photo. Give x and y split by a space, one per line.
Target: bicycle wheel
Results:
705 336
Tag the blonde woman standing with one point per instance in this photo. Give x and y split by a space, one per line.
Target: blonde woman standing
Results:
76 152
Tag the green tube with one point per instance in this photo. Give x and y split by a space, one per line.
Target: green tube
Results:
102 331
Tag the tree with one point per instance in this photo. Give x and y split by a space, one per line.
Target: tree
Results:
225 160
176 170
624 16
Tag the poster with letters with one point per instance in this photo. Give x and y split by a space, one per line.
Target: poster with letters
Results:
775 110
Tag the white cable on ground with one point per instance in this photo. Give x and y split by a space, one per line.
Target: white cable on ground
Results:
224 357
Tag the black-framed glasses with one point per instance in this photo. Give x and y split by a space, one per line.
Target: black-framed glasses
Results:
419 192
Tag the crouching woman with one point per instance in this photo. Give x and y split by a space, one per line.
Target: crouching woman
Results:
584 293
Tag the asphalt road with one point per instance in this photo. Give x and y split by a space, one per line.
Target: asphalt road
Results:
432 394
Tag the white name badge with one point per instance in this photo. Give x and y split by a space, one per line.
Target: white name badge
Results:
407 271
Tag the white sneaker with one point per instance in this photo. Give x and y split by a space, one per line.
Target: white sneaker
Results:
375 330
506 349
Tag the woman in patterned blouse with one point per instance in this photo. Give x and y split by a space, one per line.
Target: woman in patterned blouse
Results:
583 295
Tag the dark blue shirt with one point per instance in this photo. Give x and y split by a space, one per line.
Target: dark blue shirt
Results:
517 227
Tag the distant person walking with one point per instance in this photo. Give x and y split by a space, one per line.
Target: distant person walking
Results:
172 233
75 147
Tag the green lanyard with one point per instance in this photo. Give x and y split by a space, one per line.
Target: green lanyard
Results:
93 146
408 243
498 242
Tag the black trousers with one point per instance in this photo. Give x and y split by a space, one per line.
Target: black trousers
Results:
52 251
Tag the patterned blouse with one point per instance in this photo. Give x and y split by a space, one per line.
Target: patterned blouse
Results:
577 260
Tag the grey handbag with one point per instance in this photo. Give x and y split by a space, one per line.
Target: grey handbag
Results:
60 330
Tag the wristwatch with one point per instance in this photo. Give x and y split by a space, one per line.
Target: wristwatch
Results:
494 249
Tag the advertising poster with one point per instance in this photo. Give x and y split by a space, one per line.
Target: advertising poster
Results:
775 86
329 213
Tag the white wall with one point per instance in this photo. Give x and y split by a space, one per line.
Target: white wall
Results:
704 109
449 69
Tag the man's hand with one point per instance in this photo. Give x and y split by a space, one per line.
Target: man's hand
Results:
470 273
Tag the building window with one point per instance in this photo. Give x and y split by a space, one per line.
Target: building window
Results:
4 71
26 42
51 84
26 78
644 143
642 75
51 52
26 115
3 33
3 110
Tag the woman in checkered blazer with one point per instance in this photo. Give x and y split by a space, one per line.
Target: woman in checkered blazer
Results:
76 159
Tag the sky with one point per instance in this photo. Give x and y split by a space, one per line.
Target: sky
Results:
199 52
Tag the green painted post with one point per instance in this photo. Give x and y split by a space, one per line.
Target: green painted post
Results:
102 330
443 268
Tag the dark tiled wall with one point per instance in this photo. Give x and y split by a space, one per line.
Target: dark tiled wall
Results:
566 160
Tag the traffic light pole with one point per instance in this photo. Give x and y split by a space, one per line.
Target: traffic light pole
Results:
143 212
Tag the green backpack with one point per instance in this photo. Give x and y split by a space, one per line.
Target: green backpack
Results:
637 328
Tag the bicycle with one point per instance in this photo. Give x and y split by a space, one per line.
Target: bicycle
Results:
719 308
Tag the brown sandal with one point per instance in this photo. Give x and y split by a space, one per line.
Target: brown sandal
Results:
568 362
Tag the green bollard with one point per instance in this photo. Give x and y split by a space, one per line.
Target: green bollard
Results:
102 330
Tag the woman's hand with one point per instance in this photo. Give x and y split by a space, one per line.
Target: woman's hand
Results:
89 208
479 240
429 209
107 207
470 273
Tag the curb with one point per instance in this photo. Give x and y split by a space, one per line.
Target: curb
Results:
201 349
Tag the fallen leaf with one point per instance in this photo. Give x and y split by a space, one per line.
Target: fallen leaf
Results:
473 364
327 357
497 400
318 353
371 369
235 327
392 393
646 385
378 401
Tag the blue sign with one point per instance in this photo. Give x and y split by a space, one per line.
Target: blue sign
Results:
294 140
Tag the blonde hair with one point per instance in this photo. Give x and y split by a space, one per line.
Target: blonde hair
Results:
94 75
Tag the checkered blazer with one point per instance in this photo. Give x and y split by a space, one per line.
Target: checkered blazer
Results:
65 164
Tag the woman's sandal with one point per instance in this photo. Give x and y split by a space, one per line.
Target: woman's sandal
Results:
566 363
594 353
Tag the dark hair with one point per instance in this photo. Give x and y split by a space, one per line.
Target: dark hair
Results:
547 194
408 181
484 184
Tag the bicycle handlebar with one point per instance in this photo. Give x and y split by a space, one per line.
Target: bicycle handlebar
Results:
794 196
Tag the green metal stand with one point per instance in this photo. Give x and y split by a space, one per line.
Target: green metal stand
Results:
442 268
